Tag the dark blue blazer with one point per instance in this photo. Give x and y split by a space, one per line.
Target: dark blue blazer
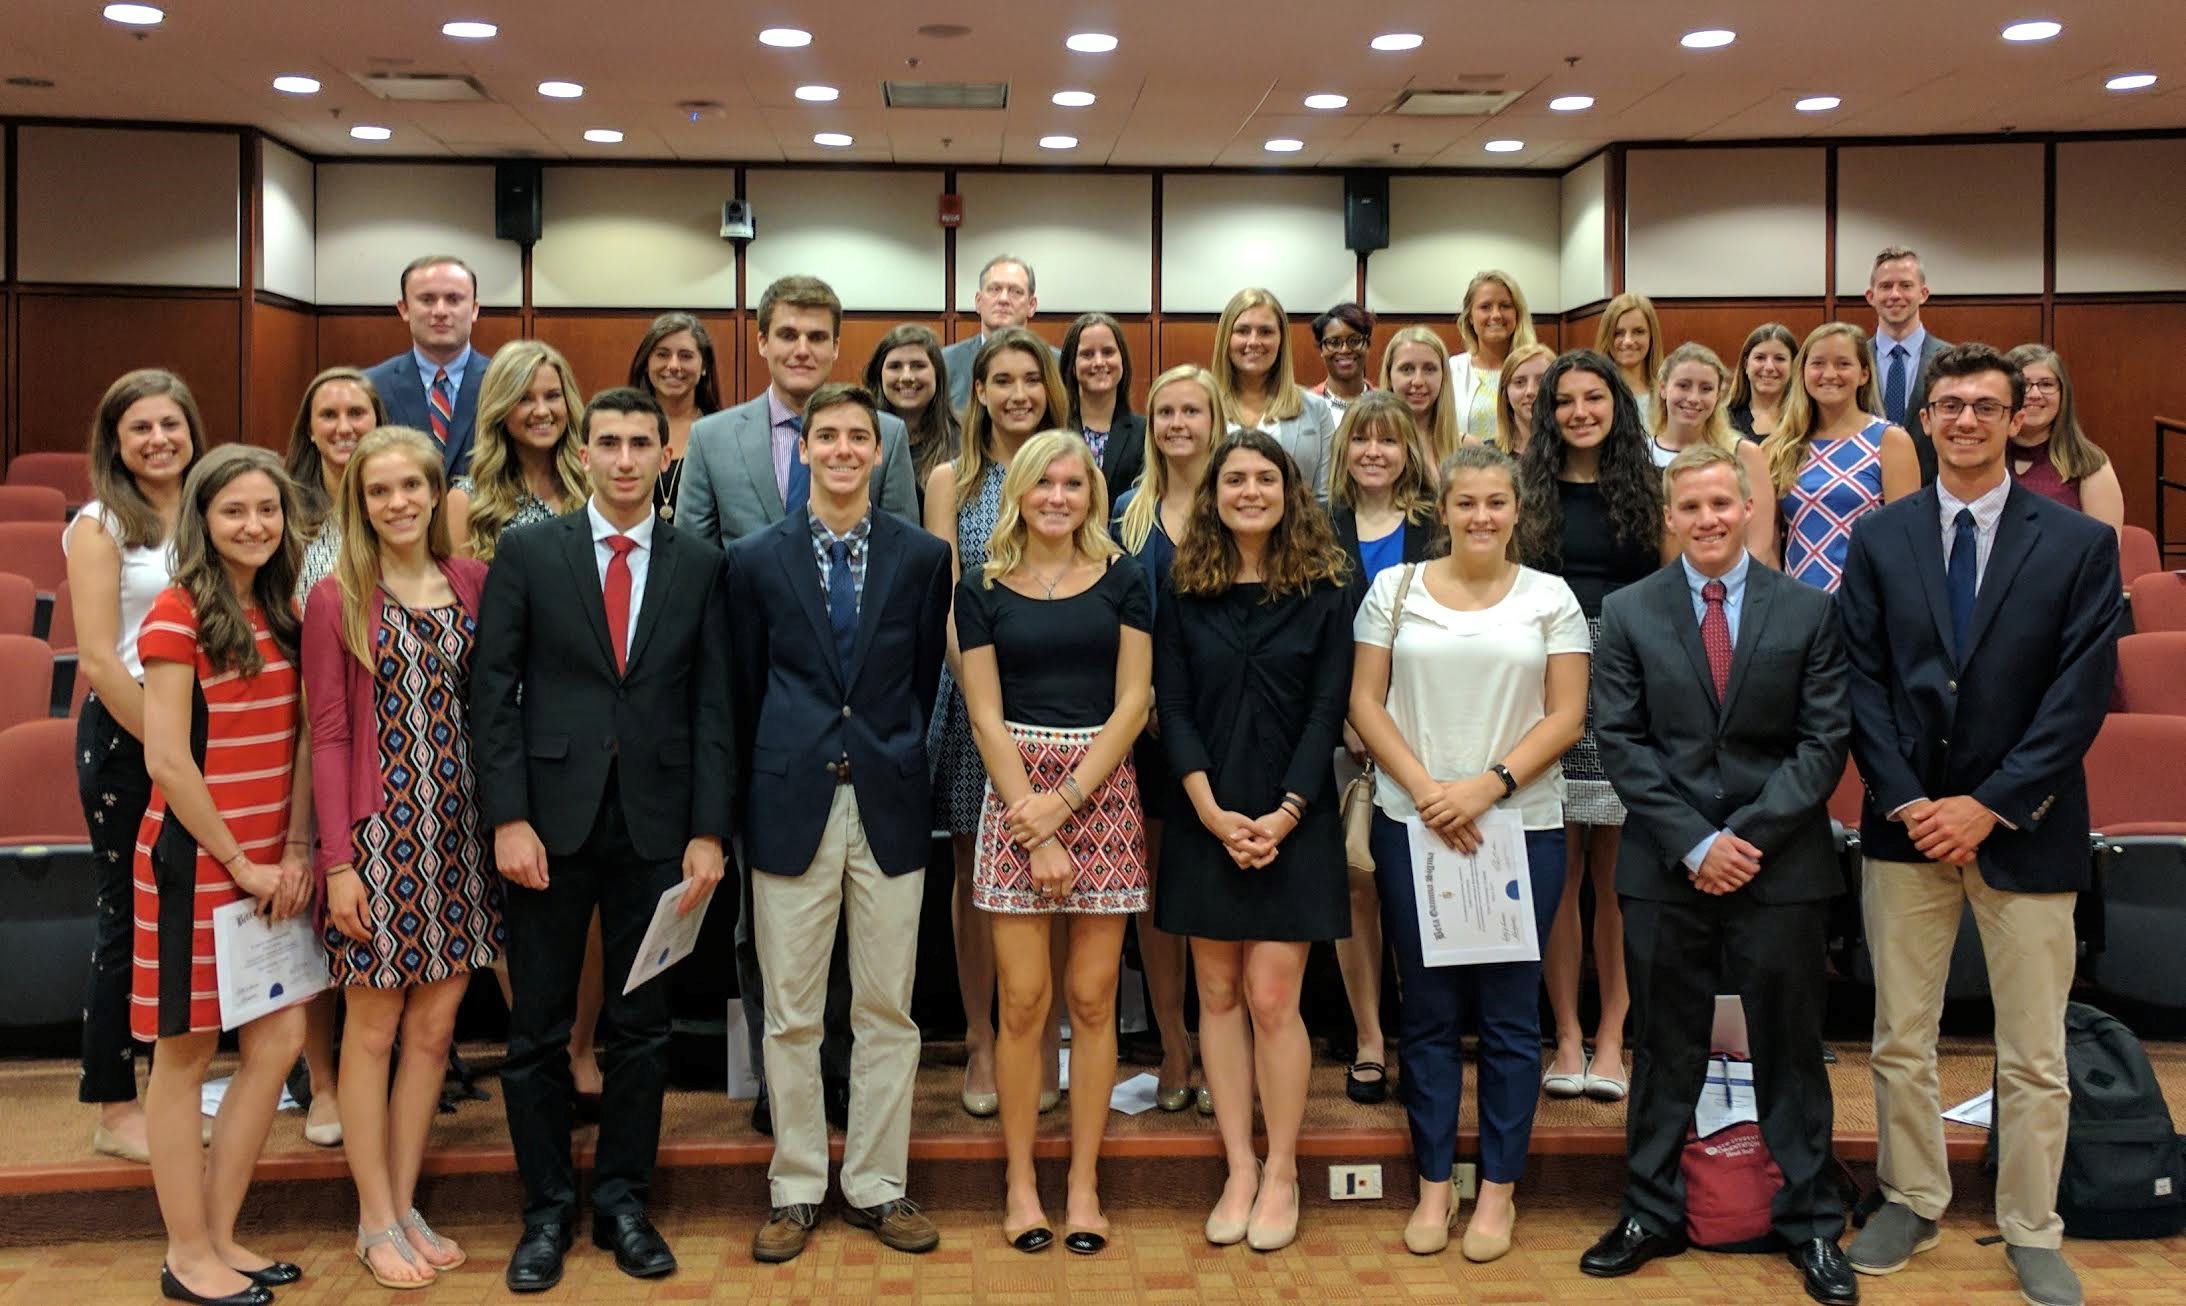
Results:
2011 724
403 391
798 710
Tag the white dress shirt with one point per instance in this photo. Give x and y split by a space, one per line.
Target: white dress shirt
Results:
639 559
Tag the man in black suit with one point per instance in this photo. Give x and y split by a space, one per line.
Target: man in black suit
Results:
1897 287
433 386
1982 625
600 706
1720 705
842 615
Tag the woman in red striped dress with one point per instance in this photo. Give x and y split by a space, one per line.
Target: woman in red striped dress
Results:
230 817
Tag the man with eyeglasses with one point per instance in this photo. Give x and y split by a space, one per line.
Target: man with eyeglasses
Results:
1007 296
1897 287
1981 623
1344 335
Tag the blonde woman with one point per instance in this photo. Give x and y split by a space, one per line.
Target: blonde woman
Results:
2049 453
1054 639
1515 391
526 466
1690 409
1631 335
1253 370
1494 322
1415 367
1831 460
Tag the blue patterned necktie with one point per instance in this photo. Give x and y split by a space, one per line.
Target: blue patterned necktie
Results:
1893 387
1959 577
842 601
799 490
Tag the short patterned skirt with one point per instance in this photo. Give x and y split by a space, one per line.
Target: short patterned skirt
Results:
1106 839
1588 797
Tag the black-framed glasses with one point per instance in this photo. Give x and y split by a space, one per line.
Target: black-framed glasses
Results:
1950 410
1344 345
2045 386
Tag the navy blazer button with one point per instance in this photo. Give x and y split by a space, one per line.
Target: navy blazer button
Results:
846 711
1952 686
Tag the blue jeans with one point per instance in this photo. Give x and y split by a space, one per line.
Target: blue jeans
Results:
1502 999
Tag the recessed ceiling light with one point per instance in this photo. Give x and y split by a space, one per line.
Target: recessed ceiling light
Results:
603 136
1571 103
1284 145
832 140
2130 82
296 85
560 90
1327 101
1058 142
135 15
1398 41
818 94
365 132
1091 42
1504 147
1817 104
1072 99
465 30
1708 38
2034 29
786 38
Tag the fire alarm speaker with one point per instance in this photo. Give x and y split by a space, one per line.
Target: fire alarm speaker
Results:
519 213
736 220
1366 211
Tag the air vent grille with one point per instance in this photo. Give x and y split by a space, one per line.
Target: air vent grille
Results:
1453 104
946 95
444 88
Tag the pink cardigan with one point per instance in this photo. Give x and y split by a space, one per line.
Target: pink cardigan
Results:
346 783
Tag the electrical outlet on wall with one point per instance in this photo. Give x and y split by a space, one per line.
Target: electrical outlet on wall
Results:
1349 1182
1467 1176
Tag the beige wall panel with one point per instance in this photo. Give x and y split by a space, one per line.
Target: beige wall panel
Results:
289 223
634 238
2118 216
1584 258
1973 212
1442 230
1702 223
873 236
150 208
374 218
1089 237
1223 232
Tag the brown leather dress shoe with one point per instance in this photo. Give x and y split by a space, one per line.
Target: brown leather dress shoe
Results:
784 1234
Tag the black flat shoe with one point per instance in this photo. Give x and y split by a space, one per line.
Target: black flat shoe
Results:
1626 1248
762 1114
277 1275
1367 1092
640 1251
172 1289
1827 1272
1085 1242
536 1264
1036 1239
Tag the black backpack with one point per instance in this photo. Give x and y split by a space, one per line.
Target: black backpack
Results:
2125 1165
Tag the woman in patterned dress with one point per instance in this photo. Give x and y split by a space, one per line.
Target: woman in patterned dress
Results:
1056 658
1831 460
229 818
1016 391
413 905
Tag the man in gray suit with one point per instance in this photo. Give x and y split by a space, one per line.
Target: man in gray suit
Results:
740 476
1896 288
1722 704
1005 298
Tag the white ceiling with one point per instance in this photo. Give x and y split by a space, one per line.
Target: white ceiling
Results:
1195 82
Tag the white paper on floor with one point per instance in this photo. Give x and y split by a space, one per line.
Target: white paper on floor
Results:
216 1089
1130 1096
1977 1110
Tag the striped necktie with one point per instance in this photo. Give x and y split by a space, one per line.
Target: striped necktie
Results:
442 407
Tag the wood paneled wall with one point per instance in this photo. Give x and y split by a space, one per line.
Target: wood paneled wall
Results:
599 345
2124 360
58 389
284 356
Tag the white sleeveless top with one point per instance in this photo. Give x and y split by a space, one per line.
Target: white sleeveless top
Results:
145 571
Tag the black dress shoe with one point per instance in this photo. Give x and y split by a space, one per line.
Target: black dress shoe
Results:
1627 1247
1827 1271
762 1114
640 1251
536 1264
835 1099
585 1108
277 1275
172 1289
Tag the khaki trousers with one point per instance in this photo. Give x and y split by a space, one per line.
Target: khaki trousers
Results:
1912 911
793 925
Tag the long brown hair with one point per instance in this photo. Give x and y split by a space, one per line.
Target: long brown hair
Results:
1742 384
1413 494
2070 451
1301 550
357 567
305 467
973 457
1068 364
933 429
706 395
223 627
135 522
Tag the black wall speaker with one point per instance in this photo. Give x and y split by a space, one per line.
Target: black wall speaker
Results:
518 213
1366 211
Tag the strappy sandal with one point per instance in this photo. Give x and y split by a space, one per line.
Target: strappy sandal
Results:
413 1222
392 1236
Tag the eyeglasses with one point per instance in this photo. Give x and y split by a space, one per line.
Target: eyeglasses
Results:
1344 345
1950 410
2047 386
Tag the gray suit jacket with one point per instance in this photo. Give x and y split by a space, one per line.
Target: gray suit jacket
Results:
957 360
728 489
1916 399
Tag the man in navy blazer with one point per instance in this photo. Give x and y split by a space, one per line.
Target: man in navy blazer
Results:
842 618
1981 624
433 387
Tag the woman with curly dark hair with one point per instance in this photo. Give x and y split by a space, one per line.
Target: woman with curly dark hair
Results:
1594 517
1252 676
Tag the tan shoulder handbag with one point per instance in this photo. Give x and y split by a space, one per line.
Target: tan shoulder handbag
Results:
1358 796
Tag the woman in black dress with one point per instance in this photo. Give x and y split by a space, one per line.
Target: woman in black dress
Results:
1253 670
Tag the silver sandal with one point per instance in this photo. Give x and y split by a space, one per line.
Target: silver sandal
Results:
415 1222
390 1235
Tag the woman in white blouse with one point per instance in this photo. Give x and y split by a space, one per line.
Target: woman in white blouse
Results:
1259 387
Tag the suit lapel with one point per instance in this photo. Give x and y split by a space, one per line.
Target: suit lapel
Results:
882 554
757 447
579 550
1927 553
803 572
1675 602
2017 532
1753 615
659 584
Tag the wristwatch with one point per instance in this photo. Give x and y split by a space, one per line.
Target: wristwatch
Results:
1502 772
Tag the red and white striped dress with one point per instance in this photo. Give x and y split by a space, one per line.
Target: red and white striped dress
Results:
250 757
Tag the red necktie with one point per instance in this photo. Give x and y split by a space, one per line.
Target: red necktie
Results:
442 412
616 593
1715 636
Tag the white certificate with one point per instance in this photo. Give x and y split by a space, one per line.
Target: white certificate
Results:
264 965
1475 907
669 939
